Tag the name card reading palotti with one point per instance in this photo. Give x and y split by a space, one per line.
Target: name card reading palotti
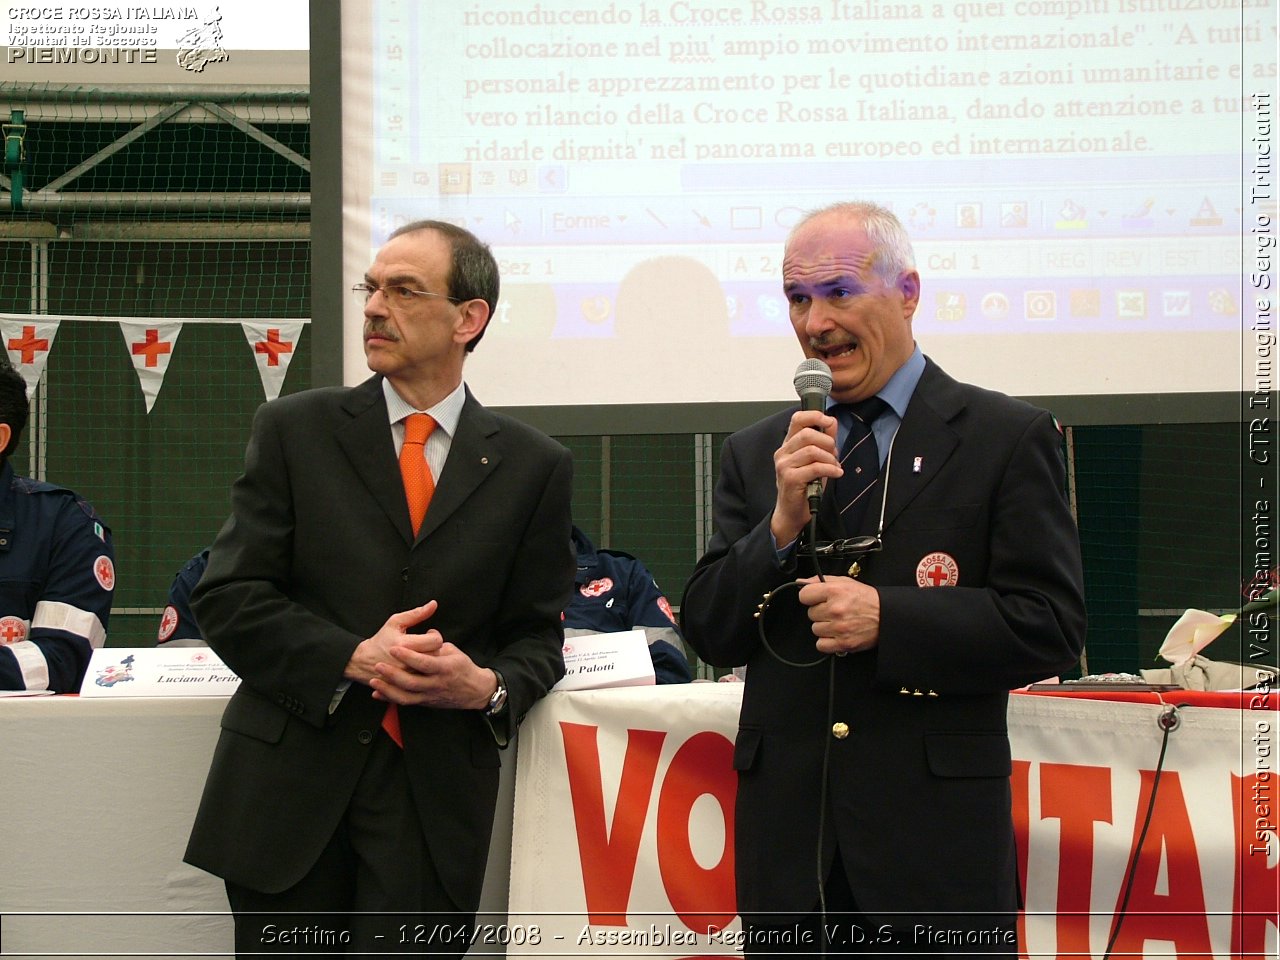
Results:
596 660
152 672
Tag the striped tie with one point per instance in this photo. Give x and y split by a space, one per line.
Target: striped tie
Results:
860 458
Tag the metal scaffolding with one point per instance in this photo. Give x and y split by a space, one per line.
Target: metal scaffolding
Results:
147 107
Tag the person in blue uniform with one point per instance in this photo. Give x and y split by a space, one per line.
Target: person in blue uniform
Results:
178 624
614 591
57 569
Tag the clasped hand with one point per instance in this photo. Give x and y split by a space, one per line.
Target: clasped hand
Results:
419 669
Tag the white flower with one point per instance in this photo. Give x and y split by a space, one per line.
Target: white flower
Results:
1194 631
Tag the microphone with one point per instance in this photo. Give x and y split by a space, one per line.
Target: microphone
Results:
813 385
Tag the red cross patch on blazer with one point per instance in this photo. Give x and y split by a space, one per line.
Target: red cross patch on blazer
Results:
937 570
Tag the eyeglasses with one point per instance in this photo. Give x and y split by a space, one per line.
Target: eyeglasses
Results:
397 294
852 547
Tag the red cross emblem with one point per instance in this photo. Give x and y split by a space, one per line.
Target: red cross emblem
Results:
937 570
29 344
273 346
12 630
168 623
151 347
104 571
596 588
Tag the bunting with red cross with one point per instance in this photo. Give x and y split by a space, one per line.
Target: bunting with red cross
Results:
150 344
273 343
28 340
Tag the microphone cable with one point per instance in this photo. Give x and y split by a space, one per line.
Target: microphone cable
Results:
812 382
810 549
812 553
1168 721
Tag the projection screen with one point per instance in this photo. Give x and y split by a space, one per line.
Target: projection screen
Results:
1089 183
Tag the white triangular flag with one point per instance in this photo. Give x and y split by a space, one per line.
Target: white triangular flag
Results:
273 343
28 341
150 344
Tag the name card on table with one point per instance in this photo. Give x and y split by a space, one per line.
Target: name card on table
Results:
596 660
157 672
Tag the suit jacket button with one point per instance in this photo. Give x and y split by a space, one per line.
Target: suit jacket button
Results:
840 730
365 736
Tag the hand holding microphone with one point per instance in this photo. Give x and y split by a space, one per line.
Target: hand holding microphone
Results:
813 385
806 457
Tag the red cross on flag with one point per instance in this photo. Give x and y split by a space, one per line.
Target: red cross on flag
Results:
28 341
150 344
273 343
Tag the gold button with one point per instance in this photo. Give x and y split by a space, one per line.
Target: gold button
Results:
840 730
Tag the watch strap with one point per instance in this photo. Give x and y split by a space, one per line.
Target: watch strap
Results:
498 701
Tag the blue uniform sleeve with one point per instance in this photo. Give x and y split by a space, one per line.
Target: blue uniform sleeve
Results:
649 608
73 582
669 664
178 625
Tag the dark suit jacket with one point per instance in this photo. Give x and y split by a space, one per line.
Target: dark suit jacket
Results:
918 796
317 553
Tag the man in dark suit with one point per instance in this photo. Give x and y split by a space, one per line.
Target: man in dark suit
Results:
331 835
873 715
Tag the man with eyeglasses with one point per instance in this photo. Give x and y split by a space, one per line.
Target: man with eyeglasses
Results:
389 589
873 713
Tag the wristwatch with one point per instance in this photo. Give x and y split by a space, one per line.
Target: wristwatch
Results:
497 702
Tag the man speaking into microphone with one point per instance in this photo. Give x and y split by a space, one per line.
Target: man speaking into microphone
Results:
940 569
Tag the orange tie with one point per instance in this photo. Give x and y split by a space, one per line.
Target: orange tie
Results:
418 487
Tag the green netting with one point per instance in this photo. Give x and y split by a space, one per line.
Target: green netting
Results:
1161 511
200 217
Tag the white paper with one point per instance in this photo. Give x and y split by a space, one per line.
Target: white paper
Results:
596 660
157 672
